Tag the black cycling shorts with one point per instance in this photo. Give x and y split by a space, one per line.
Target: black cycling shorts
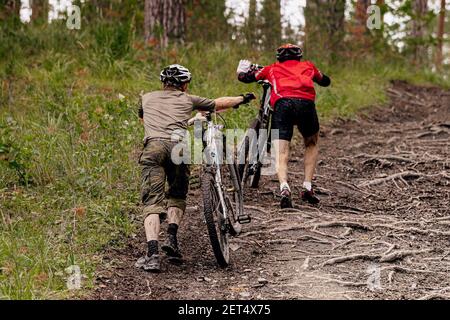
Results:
295 112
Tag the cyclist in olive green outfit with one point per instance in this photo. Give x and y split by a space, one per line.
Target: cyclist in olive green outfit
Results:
164 114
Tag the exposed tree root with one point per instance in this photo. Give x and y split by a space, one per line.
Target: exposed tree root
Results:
404 175
414 230
346 224
358 256
347 283
397 255
435 296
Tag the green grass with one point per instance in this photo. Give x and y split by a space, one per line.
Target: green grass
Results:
69 183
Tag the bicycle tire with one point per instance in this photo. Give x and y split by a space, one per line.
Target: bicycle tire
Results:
217 235
238 199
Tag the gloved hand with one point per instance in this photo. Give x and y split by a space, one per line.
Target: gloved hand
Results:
247 98
243 67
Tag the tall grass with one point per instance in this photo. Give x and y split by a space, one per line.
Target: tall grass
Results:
69 183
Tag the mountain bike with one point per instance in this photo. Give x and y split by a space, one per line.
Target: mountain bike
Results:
254 146
222 192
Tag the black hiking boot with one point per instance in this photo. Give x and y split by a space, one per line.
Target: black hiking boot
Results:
310 196
286 201
149 264
170 247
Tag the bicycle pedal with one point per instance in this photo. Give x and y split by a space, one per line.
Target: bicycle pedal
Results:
244 219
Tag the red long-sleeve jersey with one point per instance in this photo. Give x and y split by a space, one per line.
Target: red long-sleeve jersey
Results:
289 79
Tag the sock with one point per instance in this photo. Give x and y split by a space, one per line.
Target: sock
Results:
307 185
173 229
285 185
152 247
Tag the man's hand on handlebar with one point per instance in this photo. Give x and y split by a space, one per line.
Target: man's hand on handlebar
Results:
247 98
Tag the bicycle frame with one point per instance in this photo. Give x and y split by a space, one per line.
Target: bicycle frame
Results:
266 107
266 112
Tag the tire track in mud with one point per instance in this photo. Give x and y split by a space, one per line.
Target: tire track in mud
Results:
382 229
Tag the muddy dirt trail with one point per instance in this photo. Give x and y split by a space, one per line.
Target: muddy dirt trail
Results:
382 229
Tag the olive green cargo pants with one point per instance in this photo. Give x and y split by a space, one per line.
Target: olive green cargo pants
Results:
157 169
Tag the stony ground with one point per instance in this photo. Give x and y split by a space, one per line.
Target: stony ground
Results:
382 229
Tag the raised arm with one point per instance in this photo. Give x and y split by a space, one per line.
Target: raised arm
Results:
248 72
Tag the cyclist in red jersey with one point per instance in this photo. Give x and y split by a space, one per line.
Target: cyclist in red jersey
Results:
293 99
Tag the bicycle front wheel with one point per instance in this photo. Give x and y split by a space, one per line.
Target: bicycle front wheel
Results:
215 221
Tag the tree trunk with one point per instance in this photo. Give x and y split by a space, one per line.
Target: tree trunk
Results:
324 30
440 36
252 24
361 13
152 14
164 20
420 8
359 30
207 21
174 21
381 4
271 24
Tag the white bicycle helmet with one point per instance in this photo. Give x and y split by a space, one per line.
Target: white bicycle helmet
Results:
175 74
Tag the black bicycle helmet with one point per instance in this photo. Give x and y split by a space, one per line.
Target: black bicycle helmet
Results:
175 75
289 52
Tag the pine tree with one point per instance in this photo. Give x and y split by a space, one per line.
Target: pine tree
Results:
361 15
440 36
207 20
252 25
271 24
419 24
164 20
324 29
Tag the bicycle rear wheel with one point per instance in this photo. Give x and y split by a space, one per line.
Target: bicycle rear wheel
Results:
215 221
